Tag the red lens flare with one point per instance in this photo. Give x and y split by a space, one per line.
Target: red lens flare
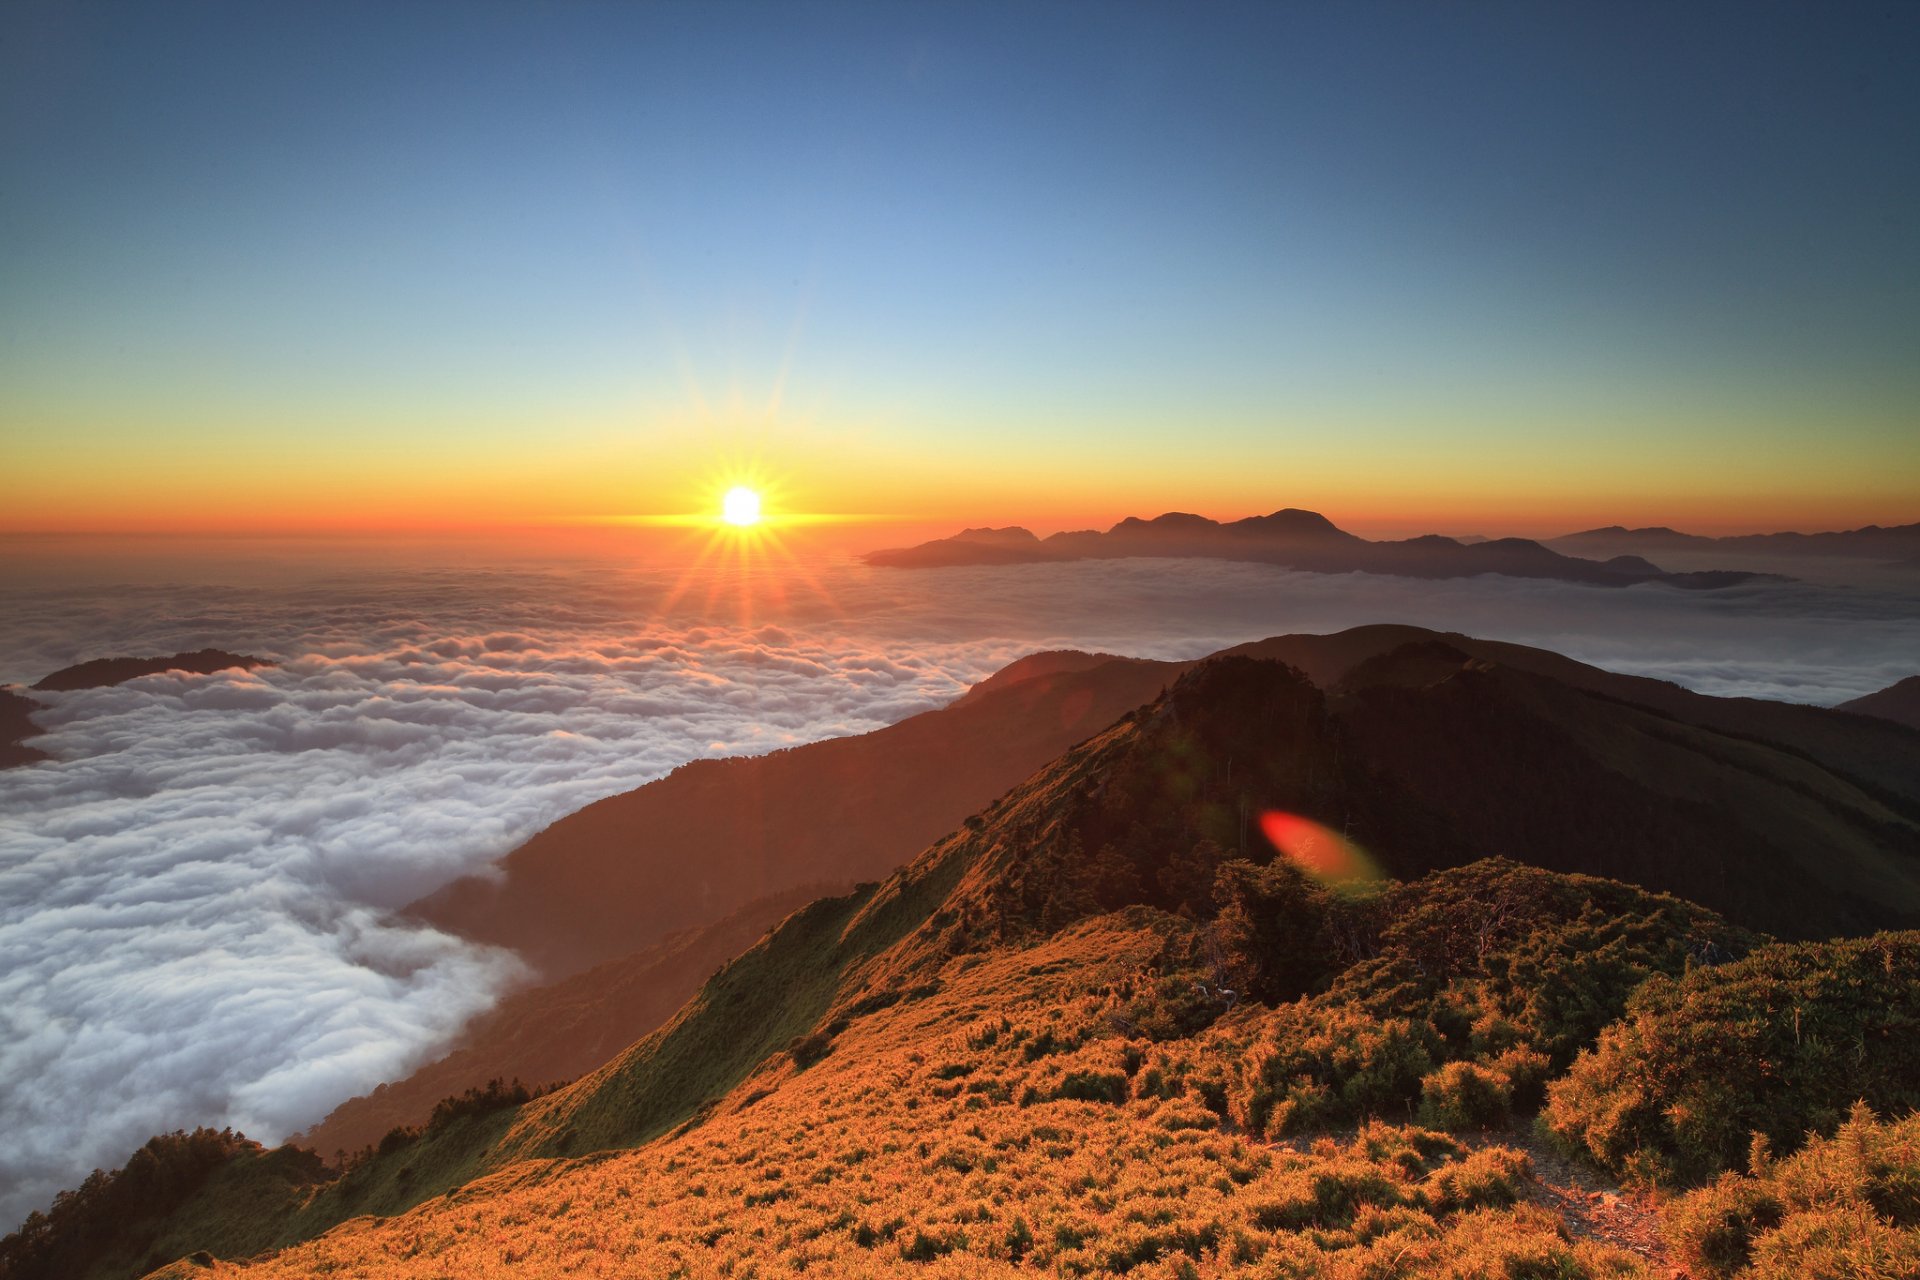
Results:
1320 851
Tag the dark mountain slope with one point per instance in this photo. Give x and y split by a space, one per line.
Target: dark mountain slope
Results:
1530 768
1898 702
16 726
1881 757
717 834
102 672
1873 541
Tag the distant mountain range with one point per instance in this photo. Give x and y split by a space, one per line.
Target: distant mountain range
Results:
1294 539
1874 542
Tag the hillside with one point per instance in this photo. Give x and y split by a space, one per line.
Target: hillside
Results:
1294 539
611 878
16 726
558 1031
1080 1033
714 835
1898 702
1814 834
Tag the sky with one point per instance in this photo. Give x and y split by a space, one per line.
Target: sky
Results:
1467 268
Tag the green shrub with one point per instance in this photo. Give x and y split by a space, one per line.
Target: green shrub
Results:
1465 1095
1781 1044
1509 968
1843 1207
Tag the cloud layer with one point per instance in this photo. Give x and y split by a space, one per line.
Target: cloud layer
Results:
194 896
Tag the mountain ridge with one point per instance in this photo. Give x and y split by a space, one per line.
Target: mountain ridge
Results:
1292 538
1898 702
1627 738
1059 964
1887 542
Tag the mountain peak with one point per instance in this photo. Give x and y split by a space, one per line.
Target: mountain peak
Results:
1166 522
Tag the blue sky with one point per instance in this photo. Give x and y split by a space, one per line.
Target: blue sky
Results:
1342 246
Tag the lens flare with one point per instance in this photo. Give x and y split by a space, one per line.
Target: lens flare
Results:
1321 852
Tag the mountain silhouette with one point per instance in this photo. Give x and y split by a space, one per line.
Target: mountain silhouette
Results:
714 835
16 726
1294 539
1899 702
1897 542
101 672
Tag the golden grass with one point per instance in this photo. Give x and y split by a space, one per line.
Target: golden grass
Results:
955 1135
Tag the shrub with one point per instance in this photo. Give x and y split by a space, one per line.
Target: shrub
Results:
809 1049
1780 1043
1844 1206
1465 1095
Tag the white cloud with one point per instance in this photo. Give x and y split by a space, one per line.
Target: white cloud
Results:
194 895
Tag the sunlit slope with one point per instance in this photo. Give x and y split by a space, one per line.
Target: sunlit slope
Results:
1016 873
1034 959
717 834
560 1031
1790 818
989 1129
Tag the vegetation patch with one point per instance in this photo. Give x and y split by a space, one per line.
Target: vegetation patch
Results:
1782 1044
1848 1206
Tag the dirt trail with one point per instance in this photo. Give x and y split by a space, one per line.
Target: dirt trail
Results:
1593 1206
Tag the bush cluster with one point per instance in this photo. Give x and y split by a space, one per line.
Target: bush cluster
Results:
1848 1205
1781 1043
113 1213
1472 987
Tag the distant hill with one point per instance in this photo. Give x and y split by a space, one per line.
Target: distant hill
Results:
1898 542
714 835
102 672
15 727
1899 702
1297 540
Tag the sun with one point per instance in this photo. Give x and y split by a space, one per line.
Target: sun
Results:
740 506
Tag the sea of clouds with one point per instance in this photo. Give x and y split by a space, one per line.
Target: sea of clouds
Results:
197 894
